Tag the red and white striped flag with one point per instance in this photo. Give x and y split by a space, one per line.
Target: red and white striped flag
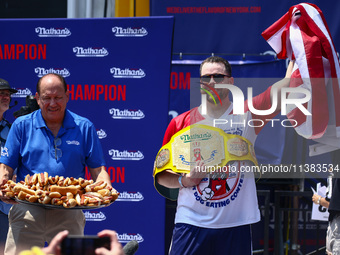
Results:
302 35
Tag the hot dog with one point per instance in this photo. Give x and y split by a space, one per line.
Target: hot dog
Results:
43 179
22 195
40 193
104 192
63 190
94 194
73 181
45 200
56 201
94 201
61 181
31 180
107 199
19 188
54 194
32 199
98 185
114 195
53 179
70 203
81 200
10 194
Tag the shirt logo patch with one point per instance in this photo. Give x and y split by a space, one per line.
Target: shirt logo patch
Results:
73 142
4 152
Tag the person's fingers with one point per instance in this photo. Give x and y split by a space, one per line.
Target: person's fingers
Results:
116 247
103 251
113 251
54 246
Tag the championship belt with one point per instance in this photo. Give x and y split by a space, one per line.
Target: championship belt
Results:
205 143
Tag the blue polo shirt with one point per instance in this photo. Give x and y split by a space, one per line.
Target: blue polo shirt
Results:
32 148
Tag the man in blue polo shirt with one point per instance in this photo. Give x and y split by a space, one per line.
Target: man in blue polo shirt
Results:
5 98
60 142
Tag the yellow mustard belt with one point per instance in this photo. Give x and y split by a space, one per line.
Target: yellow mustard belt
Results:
201 142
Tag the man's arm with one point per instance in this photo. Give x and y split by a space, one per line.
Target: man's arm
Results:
100 174
284 83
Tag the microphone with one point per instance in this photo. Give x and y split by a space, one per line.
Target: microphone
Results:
15 103
131 247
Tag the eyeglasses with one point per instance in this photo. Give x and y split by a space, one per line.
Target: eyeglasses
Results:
57 151
218 78
5 94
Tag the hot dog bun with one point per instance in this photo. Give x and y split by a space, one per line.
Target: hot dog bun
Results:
53 179
19 188
70 203
64 190
43 179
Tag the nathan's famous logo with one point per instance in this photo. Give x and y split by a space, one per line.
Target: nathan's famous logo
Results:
130 196
41 71
52 32
94 216
125 155
101 134
129 31
126 114
22 92
127 72
188 138
125 238
90 51
4 152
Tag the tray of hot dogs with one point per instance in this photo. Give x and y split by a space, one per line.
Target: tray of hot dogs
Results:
58 192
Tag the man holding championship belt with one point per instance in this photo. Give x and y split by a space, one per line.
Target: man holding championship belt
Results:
214 208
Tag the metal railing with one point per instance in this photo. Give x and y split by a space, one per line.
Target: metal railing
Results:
293 246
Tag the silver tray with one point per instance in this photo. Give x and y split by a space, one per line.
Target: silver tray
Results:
49 206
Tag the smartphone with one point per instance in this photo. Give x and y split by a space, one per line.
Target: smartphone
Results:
84 245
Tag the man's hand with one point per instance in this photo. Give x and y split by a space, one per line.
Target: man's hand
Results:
100 174
3 197
6 173
116 247
197 173
2 183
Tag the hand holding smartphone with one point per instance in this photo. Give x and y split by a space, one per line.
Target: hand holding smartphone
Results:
84 245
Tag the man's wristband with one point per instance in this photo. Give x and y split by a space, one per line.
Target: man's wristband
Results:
180 181
318 202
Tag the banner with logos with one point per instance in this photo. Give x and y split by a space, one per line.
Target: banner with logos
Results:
231 27
118 72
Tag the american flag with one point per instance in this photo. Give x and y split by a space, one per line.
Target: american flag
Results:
302 35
